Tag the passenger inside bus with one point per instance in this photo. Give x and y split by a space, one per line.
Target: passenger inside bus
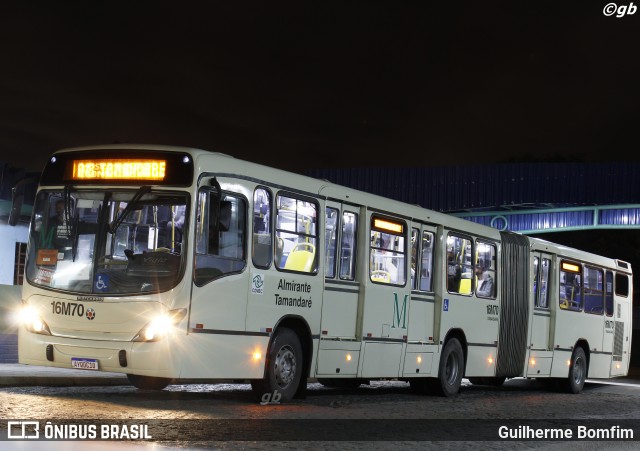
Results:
454 272
174 228
570 291
484 280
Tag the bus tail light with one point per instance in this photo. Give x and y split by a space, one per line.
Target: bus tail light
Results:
161 326
30 318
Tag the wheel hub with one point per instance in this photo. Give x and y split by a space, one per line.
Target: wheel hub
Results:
285 366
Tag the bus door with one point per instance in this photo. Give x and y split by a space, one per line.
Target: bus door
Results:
419 356
339 345
219 299
385 312
541 320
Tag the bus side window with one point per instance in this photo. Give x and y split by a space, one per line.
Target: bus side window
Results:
593 290
296 234
542 299
348 246
486 270
331 238
415 246
426 264
387 251
459 266
220 242
608 294
536 275
261 251
622 285
570 286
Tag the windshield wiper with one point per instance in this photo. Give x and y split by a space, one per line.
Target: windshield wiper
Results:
116 222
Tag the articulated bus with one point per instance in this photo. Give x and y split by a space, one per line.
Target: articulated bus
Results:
175 264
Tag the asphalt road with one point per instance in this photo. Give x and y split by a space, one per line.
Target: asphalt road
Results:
382 415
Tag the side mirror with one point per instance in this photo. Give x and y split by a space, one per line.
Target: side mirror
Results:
16 206
17 196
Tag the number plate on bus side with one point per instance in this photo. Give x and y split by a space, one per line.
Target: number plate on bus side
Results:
84 364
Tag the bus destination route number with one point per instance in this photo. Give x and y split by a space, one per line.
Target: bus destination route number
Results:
67 308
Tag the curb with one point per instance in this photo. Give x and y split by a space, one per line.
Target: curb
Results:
20 381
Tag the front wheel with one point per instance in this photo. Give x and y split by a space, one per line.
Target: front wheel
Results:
148 382
451 369
284 368
577 371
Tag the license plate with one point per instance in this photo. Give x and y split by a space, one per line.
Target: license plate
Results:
84 364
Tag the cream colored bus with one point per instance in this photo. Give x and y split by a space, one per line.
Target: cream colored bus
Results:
172 264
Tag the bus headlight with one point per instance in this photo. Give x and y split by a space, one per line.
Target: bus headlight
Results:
31 320
161 326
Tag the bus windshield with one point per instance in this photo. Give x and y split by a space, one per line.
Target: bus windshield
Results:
107 242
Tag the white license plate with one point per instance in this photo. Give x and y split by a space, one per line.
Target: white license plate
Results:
84 364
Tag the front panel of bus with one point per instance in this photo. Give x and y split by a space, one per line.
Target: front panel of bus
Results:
107 259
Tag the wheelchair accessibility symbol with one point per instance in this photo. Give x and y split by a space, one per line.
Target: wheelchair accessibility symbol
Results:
445 305
102 282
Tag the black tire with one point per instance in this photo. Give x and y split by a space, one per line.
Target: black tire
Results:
577 371
148 382
284 368
451 369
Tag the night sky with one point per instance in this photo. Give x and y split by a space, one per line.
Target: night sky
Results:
301 85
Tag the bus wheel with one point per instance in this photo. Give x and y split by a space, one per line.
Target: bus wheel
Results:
451 368
577 371
284 368
148 382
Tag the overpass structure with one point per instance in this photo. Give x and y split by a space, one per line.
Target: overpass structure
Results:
565 219
529 198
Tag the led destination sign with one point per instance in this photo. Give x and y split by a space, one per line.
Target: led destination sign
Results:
118 169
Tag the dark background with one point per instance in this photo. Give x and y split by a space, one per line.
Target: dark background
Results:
304 84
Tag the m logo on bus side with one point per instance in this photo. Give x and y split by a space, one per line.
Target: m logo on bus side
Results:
445 305
400 313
